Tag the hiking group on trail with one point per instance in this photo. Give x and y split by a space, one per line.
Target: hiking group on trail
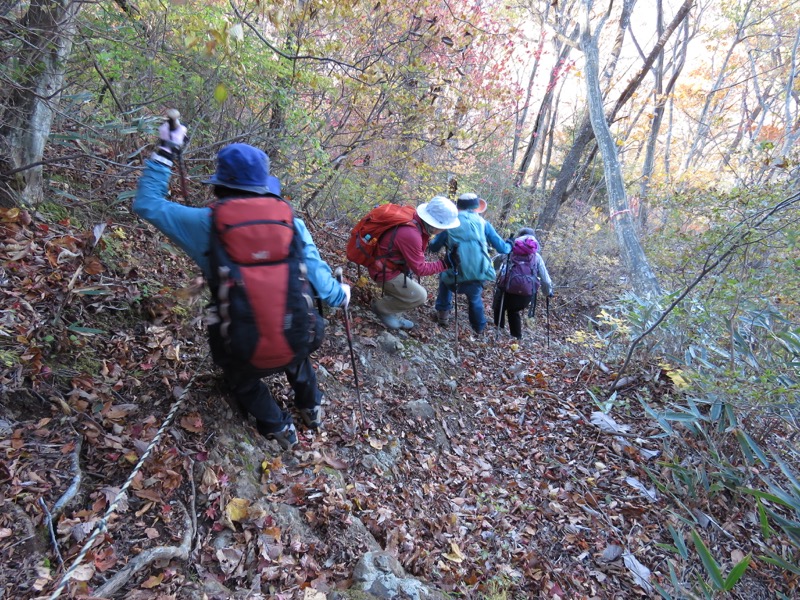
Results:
264 270
469 240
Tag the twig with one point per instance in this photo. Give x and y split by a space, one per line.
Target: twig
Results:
740 240
49 523
193 505
72 490
149 556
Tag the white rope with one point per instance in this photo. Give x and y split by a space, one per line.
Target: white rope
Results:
102 524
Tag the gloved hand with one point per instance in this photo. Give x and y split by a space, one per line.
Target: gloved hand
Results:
171 137
551 294
346 290
510 242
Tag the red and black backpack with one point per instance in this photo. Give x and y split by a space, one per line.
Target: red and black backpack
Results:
363 247
263 299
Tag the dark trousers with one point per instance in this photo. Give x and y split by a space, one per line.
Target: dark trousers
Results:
252 395
512 306
473 290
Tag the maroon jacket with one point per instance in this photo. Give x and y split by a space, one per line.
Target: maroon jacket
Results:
407 253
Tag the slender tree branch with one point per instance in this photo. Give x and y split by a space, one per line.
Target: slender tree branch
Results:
740 240
149 556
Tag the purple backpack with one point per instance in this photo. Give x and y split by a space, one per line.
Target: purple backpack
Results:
519 275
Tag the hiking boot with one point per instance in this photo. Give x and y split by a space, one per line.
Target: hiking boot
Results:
405 323
312 417
286 437
443 318
390 321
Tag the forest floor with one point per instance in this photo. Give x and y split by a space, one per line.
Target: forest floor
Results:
482 465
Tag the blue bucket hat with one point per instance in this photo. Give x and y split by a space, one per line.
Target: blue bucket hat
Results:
244 167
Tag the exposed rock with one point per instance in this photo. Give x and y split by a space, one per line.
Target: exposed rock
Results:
291 521
390 343
380 574
356 535
384 460
419 409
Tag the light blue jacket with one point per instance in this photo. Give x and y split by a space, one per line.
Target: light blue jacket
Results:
190 229
472 236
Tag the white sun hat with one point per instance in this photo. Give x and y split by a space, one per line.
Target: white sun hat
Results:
440 213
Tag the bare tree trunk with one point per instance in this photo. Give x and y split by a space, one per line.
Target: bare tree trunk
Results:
543 166
46 32
661 96
570 164
642 276
792 127
703 127
544 108
522 116
547 217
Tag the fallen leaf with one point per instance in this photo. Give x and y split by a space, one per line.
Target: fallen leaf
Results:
229 559
649 493
83 572
607 423
612 552
105 559
93 266
455 554
192 422
153 581
237 509
334 462
641 574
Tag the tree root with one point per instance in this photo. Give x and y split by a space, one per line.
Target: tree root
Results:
72 490
65 498
149 556
49 524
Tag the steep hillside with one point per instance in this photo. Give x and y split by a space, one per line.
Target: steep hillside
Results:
474 468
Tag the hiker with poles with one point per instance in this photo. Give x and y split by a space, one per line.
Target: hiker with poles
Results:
260 262
520 274
470 242
390 241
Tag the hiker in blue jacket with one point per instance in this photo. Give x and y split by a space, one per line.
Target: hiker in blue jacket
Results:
470 242
242 171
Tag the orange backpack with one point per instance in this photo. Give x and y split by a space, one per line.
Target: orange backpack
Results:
363 248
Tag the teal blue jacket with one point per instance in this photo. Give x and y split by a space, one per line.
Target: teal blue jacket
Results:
190 229
472 237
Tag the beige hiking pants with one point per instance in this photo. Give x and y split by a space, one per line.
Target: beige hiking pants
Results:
399 295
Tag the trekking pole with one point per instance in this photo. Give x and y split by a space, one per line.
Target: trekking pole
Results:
453 253
500 313
173 117
500 318
338 275
455 308
532 309
547 310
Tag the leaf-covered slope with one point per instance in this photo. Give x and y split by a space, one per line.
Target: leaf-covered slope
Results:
481 471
